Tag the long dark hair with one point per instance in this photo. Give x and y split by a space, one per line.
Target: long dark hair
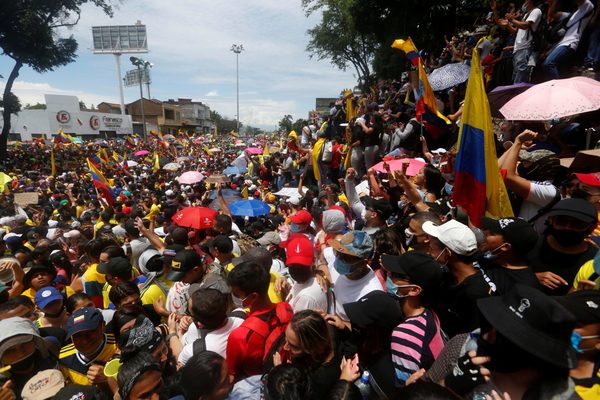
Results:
434 182
313 334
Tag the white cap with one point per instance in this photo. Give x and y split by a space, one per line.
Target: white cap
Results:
52 223
169 192
72 234
456 236
441 150
294 200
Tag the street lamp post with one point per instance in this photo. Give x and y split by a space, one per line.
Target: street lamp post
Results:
139 63
237 49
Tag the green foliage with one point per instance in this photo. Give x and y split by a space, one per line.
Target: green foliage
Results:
224 124
286 123
36 106
299 124
13 104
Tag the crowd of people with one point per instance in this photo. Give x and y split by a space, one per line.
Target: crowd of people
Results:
348 274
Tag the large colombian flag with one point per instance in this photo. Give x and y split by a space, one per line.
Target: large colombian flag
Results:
478 185
101 183
409 48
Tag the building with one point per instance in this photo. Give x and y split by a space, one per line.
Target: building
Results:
161 117
64 112
195 115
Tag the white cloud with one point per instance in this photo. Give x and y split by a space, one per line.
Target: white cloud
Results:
212 93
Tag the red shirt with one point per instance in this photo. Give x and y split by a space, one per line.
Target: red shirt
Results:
336 158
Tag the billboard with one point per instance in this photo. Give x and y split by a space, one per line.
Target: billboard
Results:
120 39
132 77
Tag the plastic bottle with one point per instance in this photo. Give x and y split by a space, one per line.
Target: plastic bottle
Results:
472 342
363 385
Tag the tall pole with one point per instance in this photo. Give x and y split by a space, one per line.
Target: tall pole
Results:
118 60
142 104
237 49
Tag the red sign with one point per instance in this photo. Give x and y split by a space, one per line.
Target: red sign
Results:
94 122
63 117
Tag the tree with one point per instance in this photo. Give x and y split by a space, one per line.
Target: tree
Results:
11 103
286 123
337 39
29 35
224 125
36 106
299 124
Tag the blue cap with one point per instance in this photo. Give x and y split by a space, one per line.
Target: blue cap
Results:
47 295
84 319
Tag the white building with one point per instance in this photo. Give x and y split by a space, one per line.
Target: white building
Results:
64 112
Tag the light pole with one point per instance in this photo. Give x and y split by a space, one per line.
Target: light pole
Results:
237 49
139 63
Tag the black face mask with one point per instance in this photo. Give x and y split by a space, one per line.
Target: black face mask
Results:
580 194
504 355
567 237
25 364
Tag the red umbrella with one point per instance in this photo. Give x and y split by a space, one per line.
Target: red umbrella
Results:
195 217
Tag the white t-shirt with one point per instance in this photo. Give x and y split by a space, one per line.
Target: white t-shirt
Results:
485 48
525 36
540 194
346 290
576 25
178 297
215 340
307 296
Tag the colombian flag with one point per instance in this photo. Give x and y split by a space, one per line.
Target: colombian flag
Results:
409 48
101 183
478 186
426 108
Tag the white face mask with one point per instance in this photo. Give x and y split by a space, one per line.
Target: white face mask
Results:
363 214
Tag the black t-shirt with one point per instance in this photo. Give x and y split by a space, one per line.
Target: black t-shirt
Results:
373 138
505 278
457 308
544 258
324 377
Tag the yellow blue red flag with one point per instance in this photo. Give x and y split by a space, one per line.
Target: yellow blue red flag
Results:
409 48
478 185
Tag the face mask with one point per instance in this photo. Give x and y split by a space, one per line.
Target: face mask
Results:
363 214
567 237
294 228
491 254
344 268
393 288
438 257
504 355
236 301
576 338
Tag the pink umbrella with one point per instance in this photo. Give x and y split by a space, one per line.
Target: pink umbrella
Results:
141 153
190 177
554 99
254 150
414 166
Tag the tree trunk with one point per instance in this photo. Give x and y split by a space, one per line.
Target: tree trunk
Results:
7 98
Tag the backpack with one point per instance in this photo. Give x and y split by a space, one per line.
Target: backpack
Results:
271 327
245 242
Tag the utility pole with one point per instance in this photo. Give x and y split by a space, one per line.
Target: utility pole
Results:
237 49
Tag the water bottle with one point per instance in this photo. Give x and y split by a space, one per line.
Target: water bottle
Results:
472 342
363 385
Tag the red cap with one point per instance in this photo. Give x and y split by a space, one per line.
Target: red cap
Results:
233 186
302 217
300 251
592 179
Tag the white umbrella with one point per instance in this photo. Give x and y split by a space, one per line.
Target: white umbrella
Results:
448 76
131 163
171 166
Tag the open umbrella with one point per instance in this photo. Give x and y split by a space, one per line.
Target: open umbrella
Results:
254 150
249 208
195 217
141 153
414 165
232 170
448 76
554 99
171 166
131 163
183 158
190 177
503 94
227 193
218 179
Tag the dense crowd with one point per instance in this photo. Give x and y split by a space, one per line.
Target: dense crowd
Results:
326 263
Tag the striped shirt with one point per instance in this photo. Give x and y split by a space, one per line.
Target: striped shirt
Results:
416 343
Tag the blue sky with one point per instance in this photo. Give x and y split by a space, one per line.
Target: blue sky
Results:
189 43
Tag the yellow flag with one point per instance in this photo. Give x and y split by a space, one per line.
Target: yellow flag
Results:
4 179
245 192
156 166
52 162
266 152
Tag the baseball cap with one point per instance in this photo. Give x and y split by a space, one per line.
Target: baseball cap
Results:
83 319
535 322
47 295
147 260
381 206
43 385
38 268
592 179
293 200
456 236
519 233
577 208
12 238
33 237
302 217
72 234
354 243
420 268
535 155
117 266
78 392
583 304
300 250
376 307
184 261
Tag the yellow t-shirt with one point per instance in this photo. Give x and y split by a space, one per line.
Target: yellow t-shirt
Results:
273 295
586 273
75 369
31 293
154 211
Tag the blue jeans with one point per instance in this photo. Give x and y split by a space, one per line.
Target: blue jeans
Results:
593 53
558 58
520 66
